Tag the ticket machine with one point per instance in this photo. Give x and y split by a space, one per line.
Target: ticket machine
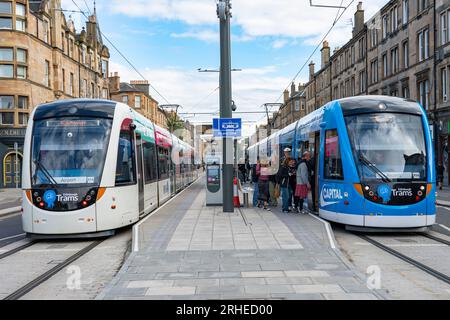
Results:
213 182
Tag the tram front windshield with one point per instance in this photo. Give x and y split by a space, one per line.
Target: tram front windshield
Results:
388 146
69 151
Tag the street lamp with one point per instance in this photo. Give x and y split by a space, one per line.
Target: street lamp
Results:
171 106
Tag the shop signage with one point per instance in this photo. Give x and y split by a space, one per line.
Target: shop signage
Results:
12 132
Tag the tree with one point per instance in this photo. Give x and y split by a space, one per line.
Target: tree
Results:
173 122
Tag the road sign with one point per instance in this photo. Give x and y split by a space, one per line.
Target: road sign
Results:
227 127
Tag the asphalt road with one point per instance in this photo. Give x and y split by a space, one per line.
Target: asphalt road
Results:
9 204
442 218
11 229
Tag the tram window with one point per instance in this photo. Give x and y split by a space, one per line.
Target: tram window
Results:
125 168
163 159
150 163
333 160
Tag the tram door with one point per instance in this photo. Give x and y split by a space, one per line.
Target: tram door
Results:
12 170
140 173
314 149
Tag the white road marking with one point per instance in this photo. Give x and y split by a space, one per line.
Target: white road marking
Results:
446 208
445 227
328 228
135 238
12 237
8 211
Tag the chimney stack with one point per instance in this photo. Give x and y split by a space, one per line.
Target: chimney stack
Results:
286 95
293 89
311 71
325 53
301 87
114 82
141 85
359 19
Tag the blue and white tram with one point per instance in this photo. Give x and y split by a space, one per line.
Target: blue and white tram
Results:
374 158
92 166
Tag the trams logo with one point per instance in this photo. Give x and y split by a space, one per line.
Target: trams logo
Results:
330 195
385 192
50 198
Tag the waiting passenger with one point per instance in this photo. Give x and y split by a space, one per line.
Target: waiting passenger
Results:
283 178
292 171
263 184
254 177
301 191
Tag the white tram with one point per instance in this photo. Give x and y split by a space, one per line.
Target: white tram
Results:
92 166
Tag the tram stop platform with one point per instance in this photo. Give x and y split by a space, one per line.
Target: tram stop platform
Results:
186 250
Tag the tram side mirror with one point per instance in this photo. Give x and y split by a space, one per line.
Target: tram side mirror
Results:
322 124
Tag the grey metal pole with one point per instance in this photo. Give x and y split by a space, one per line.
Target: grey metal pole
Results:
224 14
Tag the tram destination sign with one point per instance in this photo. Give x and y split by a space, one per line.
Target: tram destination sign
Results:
12 132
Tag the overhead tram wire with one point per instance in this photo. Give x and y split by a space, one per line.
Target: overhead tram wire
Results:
205 98
317 47
122 55
89 10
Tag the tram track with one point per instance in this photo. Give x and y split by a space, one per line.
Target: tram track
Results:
23 290
431 271
17 249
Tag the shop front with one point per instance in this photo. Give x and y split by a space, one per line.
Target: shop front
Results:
11 156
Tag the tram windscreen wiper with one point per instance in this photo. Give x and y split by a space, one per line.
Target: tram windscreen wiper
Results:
44 171
374 168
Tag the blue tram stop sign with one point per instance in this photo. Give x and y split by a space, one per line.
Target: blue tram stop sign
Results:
227 127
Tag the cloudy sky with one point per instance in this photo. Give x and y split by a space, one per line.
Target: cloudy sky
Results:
168 40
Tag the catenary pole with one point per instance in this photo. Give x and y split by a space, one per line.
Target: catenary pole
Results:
224 14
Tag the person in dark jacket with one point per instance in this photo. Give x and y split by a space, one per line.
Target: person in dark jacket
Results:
283 178
255 179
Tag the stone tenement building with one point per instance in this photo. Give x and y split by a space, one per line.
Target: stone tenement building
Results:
136 94
396 52
293 108
42 58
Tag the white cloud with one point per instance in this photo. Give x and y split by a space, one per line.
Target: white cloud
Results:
251 88
281 18
278 44
203 35
194 12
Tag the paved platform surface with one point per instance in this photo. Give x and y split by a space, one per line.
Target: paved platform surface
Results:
190 251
